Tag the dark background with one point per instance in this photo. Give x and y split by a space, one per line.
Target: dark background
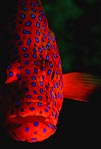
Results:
77 27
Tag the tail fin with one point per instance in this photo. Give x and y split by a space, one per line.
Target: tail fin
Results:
79 86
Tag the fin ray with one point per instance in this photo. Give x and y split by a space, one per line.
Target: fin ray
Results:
79 86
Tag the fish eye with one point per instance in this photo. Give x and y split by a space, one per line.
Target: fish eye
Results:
43 62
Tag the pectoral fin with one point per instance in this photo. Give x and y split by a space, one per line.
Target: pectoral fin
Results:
79 86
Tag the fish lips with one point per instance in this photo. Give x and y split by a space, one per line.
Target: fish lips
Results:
29 128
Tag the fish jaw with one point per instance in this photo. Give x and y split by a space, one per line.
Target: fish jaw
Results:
29 128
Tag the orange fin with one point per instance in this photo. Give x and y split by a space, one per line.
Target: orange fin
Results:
79 86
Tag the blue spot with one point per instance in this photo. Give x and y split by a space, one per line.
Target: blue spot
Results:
28 103
53 112
8 66
24 48
41 83
46 87
47 57
36 123
38 24
48 37
51 65
57 72
20 42
18 102
59 95
33 77
48 44
33 84
52 126
45 18
26 32
53 39
26 62
26 129
23 83
44 130
18 76
41 56
44 35
43 77
17 36
33 10
47 47
43 68
10 74
34 92
35 70
28 41
41 12
19 67
36 63
27 71
37 39
48 106
34 50
46 110
32 108
26 89
37 32
25 55
28 23
40 18
34 139
34 55
40 97
42 39
40 50
25 8
22 109
50 93
29 96
37 3
49 71
22 16
39 104
41 90
32 4
32 15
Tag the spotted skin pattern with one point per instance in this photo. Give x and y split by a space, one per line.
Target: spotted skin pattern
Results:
34 78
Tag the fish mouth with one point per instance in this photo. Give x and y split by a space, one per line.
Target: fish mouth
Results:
21 128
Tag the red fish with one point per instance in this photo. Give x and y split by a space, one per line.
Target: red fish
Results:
36 84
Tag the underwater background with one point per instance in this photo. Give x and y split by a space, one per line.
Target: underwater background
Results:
77 27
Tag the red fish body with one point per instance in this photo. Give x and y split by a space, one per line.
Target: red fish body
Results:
35 78
37 72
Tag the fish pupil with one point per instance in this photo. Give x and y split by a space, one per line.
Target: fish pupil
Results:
46 96
52 76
